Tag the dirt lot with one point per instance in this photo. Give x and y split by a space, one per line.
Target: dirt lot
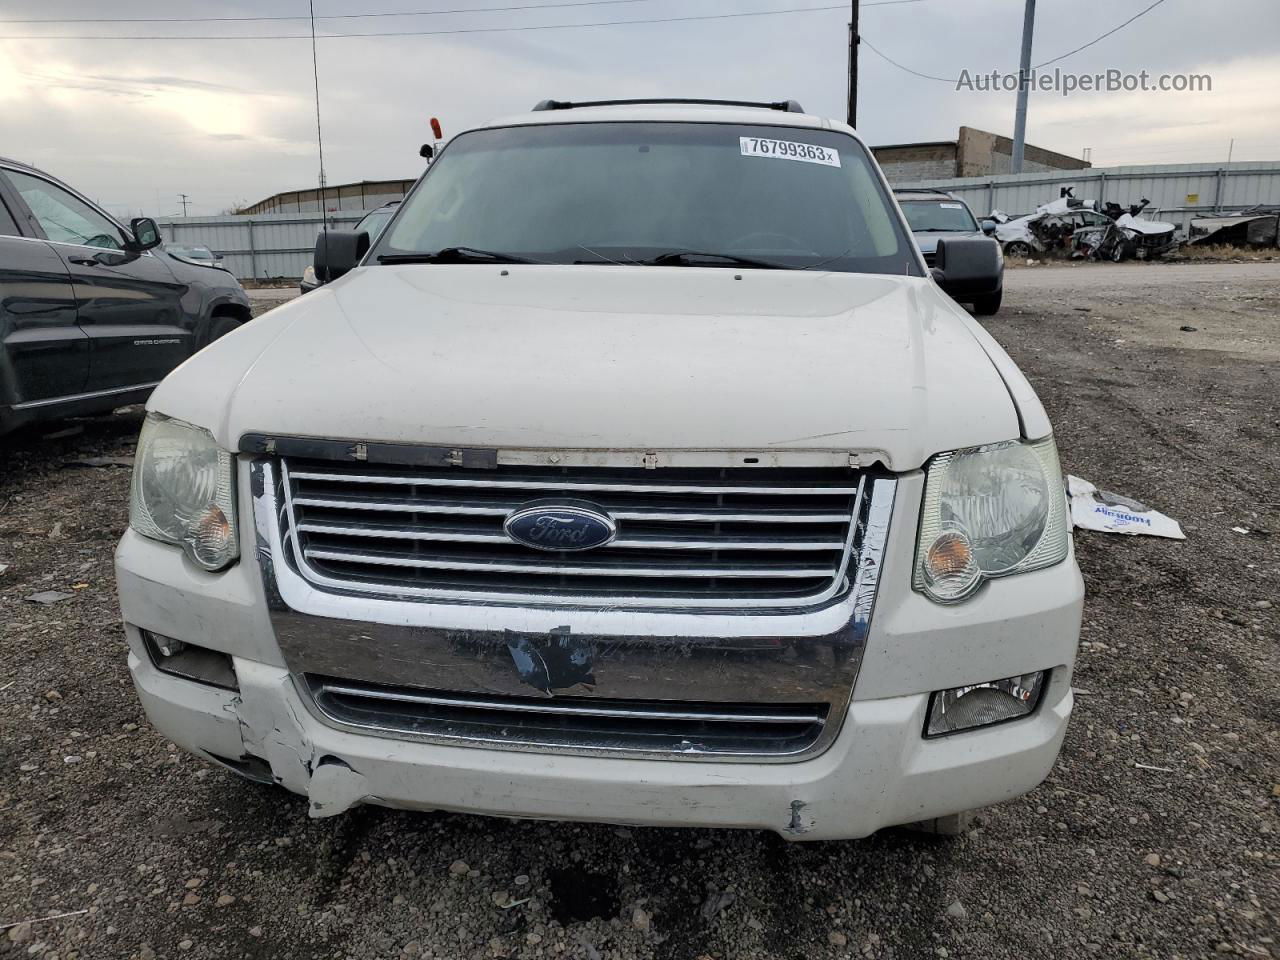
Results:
1156 836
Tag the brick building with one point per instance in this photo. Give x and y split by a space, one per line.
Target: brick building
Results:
974 153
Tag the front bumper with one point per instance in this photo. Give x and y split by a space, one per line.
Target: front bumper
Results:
877 770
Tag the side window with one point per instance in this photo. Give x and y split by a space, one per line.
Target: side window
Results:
64 217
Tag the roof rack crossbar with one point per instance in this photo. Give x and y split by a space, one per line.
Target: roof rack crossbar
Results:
787 106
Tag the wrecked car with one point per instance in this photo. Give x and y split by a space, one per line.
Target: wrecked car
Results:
1254 227
640 471
1075 227
1048 230
1144 239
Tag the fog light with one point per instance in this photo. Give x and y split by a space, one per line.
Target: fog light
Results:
190 662
984 704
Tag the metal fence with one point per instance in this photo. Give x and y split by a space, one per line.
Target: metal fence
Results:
262 246
1178 192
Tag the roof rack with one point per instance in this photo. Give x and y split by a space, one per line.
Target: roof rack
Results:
787 106
943 193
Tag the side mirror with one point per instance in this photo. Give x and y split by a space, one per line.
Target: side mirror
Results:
988 227
146 235
967 265
338 252
426 151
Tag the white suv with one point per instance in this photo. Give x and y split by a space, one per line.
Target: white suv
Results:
640 472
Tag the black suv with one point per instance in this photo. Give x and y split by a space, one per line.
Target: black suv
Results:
92 315
933 214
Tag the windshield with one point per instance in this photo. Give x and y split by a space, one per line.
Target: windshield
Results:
939 216
627 193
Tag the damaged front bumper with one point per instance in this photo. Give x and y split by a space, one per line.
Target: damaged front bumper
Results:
871 767
879 772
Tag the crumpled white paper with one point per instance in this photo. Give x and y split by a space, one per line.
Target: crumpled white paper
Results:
1094 509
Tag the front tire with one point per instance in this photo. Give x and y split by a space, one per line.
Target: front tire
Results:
1017 249
988 305
221 326
952 825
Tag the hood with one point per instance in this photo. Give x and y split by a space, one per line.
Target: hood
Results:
1129 222
609 358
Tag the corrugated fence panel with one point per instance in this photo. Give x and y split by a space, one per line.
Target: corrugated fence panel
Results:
1178 192
263 246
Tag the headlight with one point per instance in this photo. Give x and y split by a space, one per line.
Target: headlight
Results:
990 512
184 491
309 274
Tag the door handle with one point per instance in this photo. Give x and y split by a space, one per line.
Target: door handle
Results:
86 261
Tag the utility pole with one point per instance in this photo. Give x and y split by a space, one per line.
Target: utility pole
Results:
854 40
184 203
1024 83
1231 149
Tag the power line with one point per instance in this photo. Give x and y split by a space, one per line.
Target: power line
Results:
902 66
469 30
930 76
1102 37
329 16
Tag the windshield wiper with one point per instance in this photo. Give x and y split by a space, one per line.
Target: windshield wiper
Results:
455 255
693 258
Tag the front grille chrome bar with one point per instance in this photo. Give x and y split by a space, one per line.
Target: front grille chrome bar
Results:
567 484
746 538
538 567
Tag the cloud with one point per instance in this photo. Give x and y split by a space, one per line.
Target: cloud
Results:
186 83
222 121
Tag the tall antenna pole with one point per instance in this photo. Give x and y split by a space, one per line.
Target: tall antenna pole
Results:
1024 83
1231 149
315 73
854 40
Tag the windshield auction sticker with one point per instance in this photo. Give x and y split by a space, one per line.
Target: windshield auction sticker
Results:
789 150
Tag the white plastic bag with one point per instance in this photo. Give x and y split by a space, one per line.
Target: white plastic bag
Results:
1094 509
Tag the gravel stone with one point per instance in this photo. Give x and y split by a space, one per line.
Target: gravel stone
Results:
1188 431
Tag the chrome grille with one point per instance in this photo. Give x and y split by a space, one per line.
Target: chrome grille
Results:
674 728
756 537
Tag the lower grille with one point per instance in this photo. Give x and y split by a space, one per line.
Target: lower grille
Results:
671 728
746 537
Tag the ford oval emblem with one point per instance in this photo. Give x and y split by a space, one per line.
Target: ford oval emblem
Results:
560 525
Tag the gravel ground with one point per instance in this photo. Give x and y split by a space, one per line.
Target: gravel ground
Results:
1156 835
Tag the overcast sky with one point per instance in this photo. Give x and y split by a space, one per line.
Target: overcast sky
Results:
134 123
